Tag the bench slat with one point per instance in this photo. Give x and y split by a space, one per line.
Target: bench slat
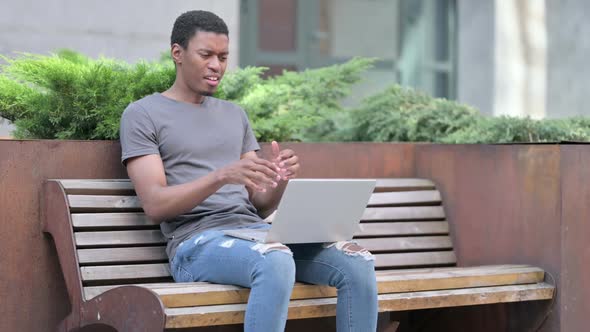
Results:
110 220
82 221
202 293
413 259
406 243
405 198
103 203
404 213
106 203
142 237
403 228
234 313
136 272
122 255
98 187
454 270
466 297
125 272
403 185
119 238
481 269
125 220
119 186
139 254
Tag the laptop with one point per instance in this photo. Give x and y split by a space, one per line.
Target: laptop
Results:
315 211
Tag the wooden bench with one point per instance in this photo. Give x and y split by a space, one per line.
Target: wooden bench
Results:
117 273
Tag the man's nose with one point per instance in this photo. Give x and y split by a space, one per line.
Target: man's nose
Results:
214 64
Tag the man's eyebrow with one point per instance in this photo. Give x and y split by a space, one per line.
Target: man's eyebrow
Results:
208 50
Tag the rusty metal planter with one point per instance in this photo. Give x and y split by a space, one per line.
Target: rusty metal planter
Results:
509 204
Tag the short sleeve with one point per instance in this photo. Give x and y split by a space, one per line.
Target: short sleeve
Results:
249 143
137 133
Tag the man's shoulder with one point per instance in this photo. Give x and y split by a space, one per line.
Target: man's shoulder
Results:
139 104
223 104
149 106
147 102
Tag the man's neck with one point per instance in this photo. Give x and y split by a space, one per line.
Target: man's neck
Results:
179 93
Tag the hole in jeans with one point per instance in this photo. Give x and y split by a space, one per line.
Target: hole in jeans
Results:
351 248
264 248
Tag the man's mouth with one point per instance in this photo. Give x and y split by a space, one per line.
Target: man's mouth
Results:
212 80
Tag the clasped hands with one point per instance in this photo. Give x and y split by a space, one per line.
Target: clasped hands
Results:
259 174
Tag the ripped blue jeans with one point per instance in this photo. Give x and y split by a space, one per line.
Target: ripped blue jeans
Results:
270 270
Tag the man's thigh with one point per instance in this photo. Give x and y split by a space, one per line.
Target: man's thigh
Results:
215 257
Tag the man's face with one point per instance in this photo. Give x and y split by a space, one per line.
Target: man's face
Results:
202 64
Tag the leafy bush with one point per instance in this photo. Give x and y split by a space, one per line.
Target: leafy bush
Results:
405 115
508 129
70 96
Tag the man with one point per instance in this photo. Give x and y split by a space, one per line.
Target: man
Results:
192 159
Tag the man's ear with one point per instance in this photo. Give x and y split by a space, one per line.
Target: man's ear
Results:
176 53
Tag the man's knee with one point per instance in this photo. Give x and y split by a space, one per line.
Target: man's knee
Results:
357 264
351 248
277 262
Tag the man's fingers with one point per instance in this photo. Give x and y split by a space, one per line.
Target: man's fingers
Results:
275 149
267 168
261 179
286 154
250 184
289 162
292 171
264 162
286 165
269 172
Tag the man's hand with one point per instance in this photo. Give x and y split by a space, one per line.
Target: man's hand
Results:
286 164
286 161
255 173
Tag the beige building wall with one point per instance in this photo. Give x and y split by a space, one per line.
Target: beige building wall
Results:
568 67
521 58
524 57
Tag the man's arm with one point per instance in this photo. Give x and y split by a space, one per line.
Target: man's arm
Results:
161 202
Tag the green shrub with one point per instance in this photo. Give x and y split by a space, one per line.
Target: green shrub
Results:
401 114
509 130
70 96
288 106
406 115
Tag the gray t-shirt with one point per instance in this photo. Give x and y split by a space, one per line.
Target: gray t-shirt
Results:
193 140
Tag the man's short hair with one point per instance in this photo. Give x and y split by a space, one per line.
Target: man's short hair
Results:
187 24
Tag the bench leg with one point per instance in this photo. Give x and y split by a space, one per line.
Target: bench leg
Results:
386 322
126 308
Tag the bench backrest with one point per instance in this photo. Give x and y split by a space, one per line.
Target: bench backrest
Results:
404 226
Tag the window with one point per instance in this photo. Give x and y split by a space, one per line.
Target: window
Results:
413 39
